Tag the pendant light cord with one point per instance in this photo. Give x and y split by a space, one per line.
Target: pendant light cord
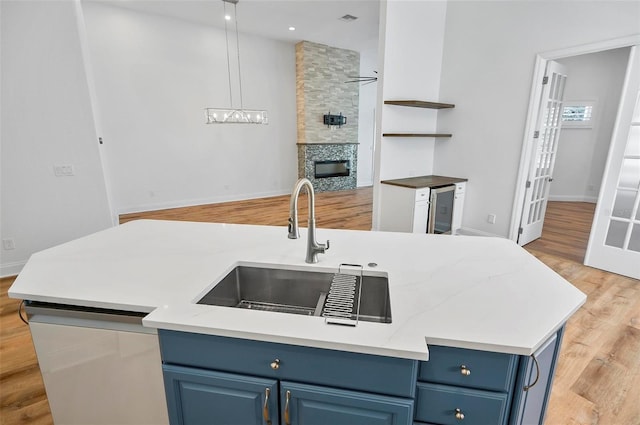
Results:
235 13
226 35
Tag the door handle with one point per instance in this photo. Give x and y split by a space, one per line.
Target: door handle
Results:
265 410
287 414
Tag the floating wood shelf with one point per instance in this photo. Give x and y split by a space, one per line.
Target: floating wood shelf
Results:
415 135
420 104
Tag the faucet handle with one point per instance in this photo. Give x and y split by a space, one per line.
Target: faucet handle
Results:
322 247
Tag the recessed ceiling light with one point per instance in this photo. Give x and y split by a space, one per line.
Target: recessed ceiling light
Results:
292 28
348 18
227 17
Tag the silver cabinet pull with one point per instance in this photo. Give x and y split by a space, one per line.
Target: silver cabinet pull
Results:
287 415
459 415
265 408
275 365
465 370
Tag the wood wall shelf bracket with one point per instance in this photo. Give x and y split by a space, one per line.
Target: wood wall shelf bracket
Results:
420 104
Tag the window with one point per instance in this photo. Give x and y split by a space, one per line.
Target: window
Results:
578 114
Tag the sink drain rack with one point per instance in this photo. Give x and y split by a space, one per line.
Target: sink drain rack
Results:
342 305
280 308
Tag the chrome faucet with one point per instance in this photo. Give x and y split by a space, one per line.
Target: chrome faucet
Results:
313 247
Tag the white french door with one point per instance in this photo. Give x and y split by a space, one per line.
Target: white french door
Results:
545 145
614 242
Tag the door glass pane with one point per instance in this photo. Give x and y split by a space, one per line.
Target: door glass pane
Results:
616 233
624 203
634 243
630 173
444 212
633 144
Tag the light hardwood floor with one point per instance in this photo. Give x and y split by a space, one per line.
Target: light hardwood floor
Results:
598 376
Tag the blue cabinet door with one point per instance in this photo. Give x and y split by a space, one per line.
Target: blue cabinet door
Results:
533 386
203 397
316 405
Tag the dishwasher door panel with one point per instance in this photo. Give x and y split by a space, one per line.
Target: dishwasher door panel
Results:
100 376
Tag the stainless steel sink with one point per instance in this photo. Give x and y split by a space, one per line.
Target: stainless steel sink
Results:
296 292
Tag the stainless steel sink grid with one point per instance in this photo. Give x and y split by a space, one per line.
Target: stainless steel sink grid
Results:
342 306
295 292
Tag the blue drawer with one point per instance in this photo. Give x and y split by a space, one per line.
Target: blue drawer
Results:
364 372
469 368
440 403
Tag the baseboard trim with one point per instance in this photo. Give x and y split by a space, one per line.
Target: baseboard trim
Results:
11 269
197 202
466 231
573 198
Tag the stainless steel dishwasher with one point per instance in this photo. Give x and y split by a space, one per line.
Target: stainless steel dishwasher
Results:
98 366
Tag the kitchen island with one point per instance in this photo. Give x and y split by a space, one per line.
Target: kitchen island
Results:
473 295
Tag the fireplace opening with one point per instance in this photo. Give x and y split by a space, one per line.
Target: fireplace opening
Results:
324 169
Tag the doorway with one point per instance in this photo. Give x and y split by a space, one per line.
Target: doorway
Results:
580 165
595 83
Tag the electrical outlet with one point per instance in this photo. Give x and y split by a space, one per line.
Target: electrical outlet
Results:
8 244
63 170
491 218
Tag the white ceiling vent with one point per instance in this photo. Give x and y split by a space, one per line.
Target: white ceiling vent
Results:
348 18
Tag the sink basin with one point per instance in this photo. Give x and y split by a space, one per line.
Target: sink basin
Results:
295 292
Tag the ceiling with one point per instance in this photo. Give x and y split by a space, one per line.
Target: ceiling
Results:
314 20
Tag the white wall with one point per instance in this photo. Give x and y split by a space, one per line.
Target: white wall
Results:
412 56
46 120
366 113
153 77
582 152
489 53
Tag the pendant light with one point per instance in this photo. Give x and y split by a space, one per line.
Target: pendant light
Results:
233 115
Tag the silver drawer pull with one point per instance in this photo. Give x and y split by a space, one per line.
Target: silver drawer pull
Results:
275 365
464 370
459 415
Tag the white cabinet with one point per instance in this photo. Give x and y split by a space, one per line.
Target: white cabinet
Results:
458 204
408 209
404 209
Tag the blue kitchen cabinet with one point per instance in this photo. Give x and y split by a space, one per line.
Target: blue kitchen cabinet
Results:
220 380
313 405
480 387
469 386
204 397
533 388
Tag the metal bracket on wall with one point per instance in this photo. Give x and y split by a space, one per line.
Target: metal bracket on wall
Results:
333 120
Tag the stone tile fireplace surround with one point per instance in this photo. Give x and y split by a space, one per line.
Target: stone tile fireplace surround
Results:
321 72
310 153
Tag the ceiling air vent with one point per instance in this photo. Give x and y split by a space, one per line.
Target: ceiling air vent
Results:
348 18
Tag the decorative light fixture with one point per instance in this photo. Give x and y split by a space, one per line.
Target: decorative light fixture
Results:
234 115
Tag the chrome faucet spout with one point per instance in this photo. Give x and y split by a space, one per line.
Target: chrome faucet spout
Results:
313 247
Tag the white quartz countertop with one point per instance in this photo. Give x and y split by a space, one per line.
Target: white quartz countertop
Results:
460 291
